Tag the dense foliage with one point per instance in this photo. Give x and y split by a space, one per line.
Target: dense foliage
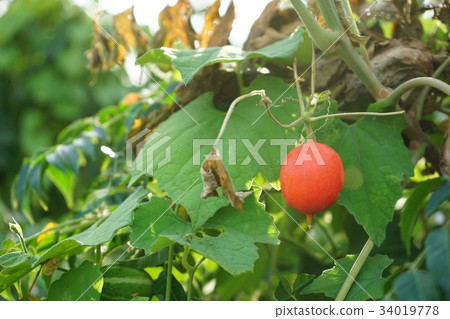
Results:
139 219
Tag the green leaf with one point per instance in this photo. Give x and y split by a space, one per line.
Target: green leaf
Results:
21 191
248 126
65 182
416 286
80 284
69 157
369 278
413 206
437 245
439 196
228 238
189 62
98 233
177 292
288 289
14 266
122 283
375 161
85 145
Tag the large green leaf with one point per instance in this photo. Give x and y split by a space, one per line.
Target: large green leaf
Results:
375 161
416 286
413 206
83 283
98 233
437 245
368 284
248 125
189 62
14 266
228 238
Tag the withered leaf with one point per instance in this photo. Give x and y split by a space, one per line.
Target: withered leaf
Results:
214 175
105 52
274 24
129 34
175 26
216 29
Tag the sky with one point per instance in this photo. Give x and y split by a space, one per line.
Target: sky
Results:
147 11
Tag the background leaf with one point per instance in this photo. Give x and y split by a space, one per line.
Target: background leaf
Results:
98 233
368 278
189 62
437 245
412 207
83 283
438 197
416 286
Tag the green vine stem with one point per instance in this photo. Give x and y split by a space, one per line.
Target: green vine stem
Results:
354 271
240 78
169 273
411 84
351 114
261 93
190 269
426 90
325 39
191 277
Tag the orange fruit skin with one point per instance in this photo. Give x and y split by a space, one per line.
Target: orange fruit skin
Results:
311 176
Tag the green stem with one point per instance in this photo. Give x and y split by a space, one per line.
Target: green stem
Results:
318 118
191 277
354 271
261 93
98 255
426 89
240 78
331 15
169 273
22 242
323 38
58 228
411 84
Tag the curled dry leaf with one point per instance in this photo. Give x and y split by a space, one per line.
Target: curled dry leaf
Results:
214 175
175 25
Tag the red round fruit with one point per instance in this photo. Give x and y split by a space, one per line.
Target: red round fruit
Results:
311 176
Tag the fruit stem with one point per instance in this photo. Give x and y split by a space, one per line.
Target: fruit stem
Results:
354 271
309 220
169 273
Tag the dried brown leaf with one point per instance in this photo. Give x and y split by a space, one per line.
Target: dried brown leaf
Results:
128 31
175 26
214 175
217 29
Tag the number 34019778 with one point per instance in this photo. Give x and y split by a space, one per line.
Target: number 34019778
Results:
409 310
